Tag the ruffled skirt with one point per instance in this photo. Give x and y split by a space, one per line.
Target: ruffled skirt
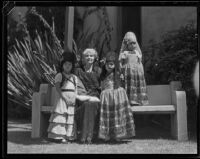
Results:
62 124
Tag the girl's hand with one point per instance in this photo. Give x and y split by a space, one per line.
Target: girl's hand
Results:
124 55
122 77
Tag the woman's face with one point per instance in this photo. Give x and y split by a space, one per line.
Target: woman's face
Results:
110 66
89 58
67 67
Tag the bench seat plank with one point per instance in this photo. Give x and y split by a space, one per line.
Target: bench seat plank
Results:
149 109
165 109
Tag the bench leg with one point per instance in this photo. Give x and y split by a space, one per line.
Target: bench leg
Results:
44 125
173 125
36 116
179 119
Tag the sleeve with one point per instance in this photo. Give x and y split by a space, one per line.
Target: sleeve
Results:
58 78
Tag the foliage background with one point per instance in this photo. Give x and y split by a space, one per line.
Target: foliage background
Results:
35 46
174 59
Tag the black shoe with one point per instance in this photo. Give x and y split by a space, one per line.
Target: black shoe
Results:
82 141
56 140
89 140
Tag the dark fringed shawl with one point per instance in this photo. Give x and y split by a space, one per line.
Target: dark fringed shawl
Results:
90 80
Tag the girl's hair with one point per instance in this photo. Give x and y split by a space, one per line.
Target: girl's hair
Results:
111 57
128 35
70 57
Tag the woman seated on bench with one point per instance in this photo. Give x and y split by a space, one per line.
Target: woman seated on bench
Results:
87 115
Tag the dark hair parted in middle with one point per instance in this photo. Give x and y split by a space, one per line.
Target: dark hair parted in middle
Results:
111 57
70 57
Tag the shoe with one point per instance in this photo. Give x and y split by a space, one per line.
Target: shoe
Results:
89 140
64 141
117 140
82 141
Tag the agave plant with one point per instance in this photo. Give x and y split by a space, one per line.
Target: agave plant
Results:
33 61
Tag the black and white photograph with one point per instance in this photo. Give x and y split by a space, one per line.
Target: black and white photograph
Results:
113 78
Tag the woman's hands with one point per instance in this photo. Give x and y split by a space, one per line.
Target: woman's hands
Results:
87 98
82 97
93 99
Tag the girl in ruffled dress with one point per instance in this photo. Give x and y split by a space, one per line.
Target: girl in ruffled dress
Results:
62 125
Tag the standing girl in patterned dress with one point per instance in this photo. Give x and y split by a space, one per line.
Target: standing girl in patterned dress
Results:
130 59
62 125
116 119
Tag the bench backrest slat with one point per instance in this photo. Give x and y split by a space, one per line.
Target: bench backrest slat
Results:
159 94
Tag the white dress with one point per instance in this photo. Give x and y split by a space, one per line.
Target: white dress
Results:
62 121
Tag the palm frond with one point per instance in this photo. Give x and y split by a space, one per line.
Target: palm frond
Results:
32 62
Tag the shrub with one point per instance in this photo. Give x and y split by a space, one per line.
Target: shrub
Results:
174 59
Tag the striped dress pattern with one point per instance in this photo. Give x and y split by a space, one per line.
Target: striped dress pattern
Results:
116 118
134 80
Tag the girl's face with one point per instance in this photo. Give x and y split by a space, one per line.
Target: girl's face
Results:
130 42
89 58
131 45
110 66
67 67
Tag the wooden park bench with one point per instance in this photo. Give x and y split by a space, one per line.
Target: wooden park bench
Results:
163 99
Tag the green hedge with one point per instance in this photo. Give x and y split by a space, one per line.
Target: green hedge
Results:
174 59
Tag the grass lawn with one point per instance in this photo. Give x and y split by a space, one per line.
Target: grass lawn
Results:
148 140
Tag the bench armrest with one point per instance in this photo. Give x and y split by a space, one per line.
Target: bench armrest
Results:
39 99
179 120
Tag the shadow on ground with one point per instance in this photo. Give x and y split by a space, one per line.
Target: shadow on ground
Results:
24 138
21 134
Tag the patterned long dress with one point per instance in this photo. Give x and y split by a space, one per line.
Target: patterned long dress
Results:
134 80
87 115
116 119
62 122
